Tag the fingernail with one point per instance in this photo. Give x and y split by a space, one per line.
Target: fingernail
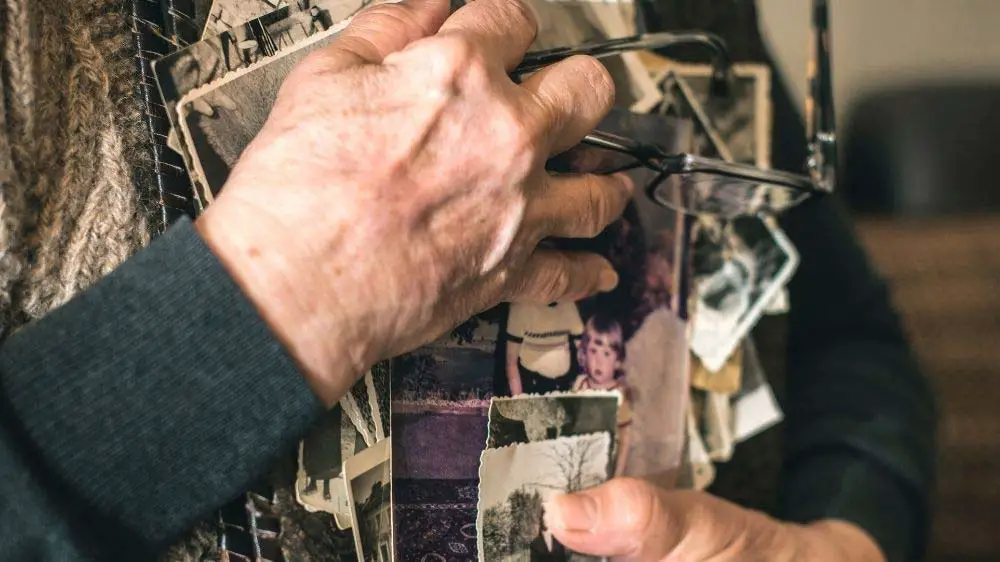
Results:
609 280
571 512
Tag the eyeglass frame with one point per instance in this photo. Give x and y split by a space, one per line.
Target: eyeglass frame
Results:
822 143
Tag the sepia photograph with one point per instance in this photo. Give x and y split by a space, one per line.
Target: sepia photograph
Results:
735 284
741 121
369 478
220 117
378 385
528 419
319 485
515 482
218 121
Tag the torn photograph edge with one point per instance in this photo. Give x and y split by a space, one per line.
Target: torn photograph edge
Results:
602 439
203 189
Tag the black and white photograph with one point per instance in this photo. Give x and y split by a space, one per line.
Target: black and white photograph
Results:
319 485
369 477
735 282
527 419
361 398
516 481
218 121
755 407
225 15
742 120
632 339
378 381
213 127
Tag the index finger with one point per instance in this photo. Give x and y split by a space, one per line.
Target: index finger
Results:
503 28
380 30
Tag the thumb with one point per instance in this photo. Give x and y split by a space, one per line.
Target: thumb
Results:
624 517
378 31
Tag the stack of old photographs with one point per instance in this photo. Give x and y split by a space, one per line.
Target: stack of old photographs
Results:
450 452
217 93
740 268
345 466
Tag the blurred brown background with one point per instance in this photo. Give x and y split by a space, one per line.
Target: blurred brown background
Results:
946 279
918 92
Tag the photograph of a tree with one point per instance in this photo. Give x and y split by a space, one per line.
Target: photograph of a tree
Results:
522 477
570 466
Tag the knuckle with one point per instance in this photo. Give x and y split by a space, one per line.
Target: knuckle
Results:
596 211
597 76
557 279
522 13
458 54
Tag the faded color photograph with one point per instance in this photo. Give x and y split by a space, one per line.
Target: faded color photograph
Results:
632 340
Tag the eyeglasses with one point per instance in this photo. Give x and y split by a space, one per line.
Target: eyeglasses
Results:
693 184
721 64
686 182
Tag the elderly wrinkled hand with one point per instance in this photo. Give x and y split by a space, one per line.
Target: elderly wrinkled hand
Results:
398 186
628 519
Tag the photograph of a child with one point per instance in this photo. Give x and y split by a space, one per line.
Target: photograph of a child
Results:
602 358
632 339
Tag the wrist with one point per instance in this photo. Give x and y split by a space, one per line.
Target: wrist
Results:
264 268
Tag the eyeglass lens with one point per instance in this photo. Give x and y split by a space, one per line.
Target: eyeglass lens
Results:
700 193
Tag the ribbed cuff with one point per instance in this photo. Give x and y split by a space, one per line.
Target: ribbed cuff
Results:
158 394
843 486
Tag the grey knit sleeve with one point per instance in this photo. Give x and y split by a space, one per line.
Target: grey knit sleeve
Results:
133 411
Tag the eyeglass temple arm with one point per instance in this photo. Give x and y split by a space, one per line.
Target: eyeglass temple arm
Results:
820 117
652 41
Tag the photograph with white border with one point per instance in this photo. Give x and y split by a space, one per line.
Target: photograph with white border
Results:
369 488
734 285
515 483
